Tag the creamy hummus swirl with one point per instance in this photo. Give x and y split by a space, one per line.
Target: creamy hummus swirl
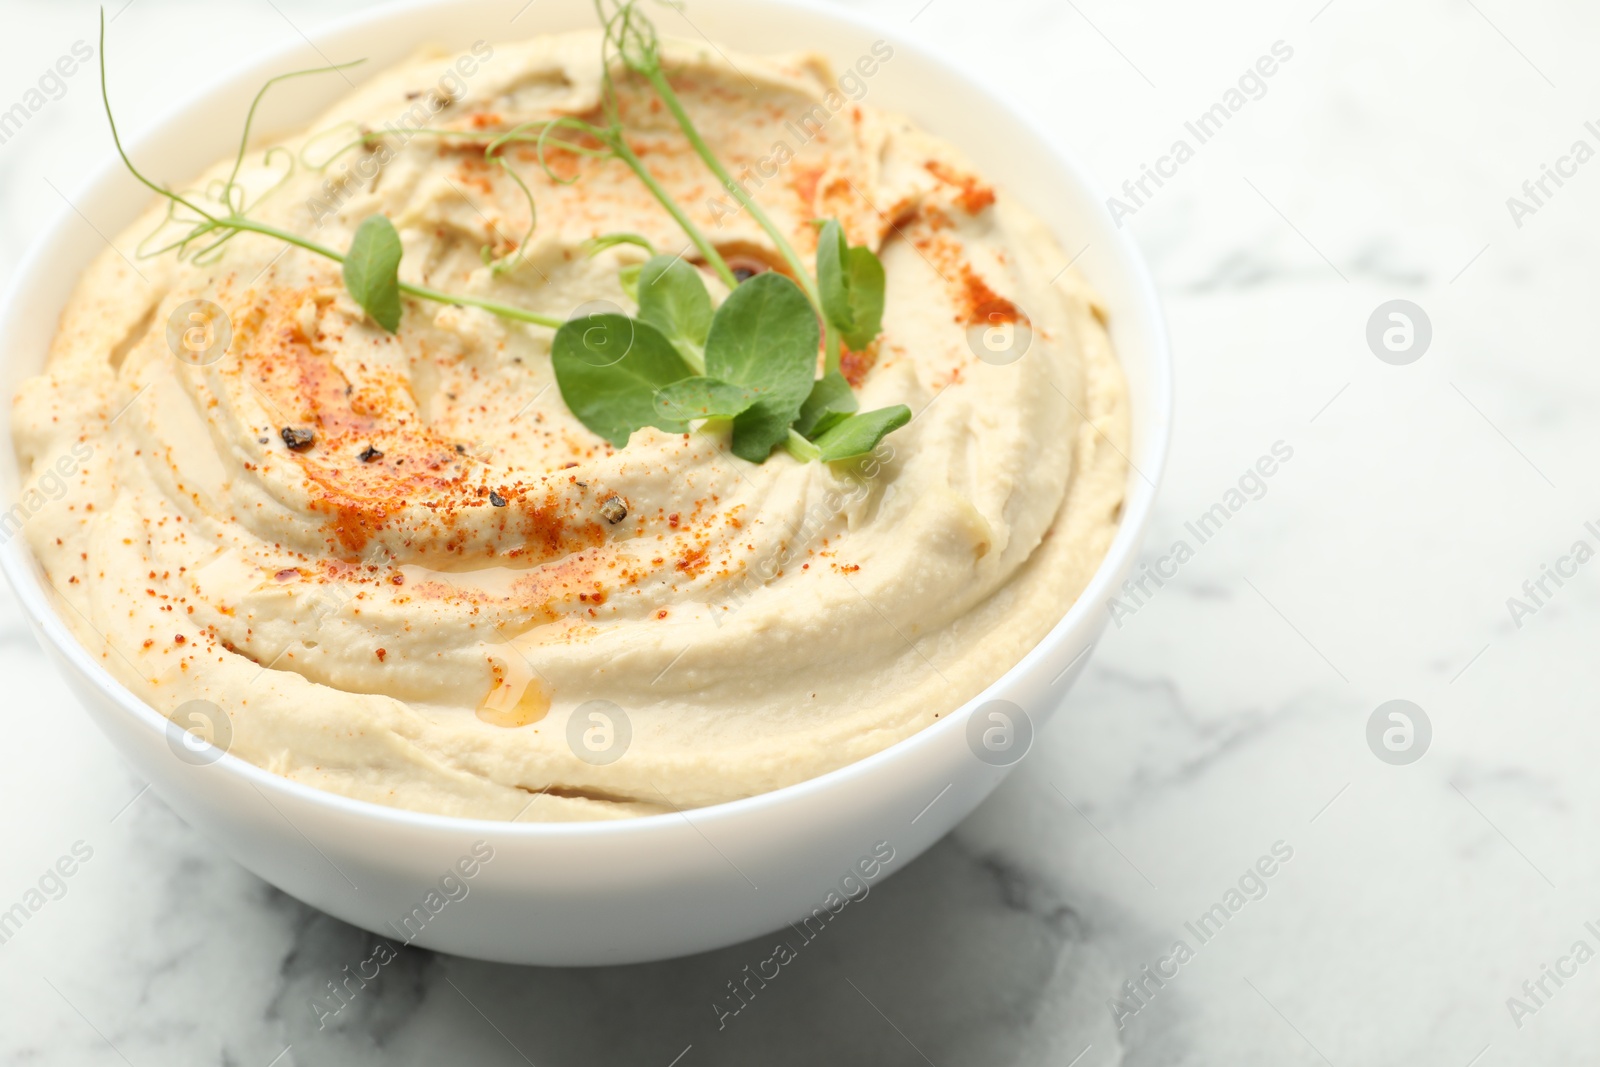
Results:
426 605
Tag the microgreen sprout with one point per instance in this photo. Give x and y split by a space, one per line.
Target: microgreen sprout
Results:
750 362
230 221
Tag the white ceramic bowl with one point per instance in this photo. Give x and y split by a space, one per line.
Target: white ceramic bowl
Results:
647 888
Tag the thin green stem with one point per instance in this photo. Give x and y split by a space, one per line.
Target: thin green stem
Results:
596 245
707 249
420 291
504 311
250 116
116 139
801 449
252 226
663 89
496 266
239 223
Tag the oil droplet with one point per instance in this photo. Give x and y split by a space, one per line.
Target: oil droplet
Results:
516 698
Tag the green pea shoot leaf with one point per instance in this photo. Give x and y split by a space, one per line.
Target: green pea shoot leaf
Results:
610 368
859 434
372 271
851 281
764 337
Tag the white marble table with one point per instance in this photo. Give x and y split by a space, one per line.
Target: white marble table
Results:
1227 715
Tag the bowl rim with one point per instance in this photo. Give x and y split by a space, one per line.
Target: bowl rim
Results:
1152 444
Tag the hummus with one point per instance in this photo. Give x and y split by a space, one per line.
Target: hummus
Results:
456 599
